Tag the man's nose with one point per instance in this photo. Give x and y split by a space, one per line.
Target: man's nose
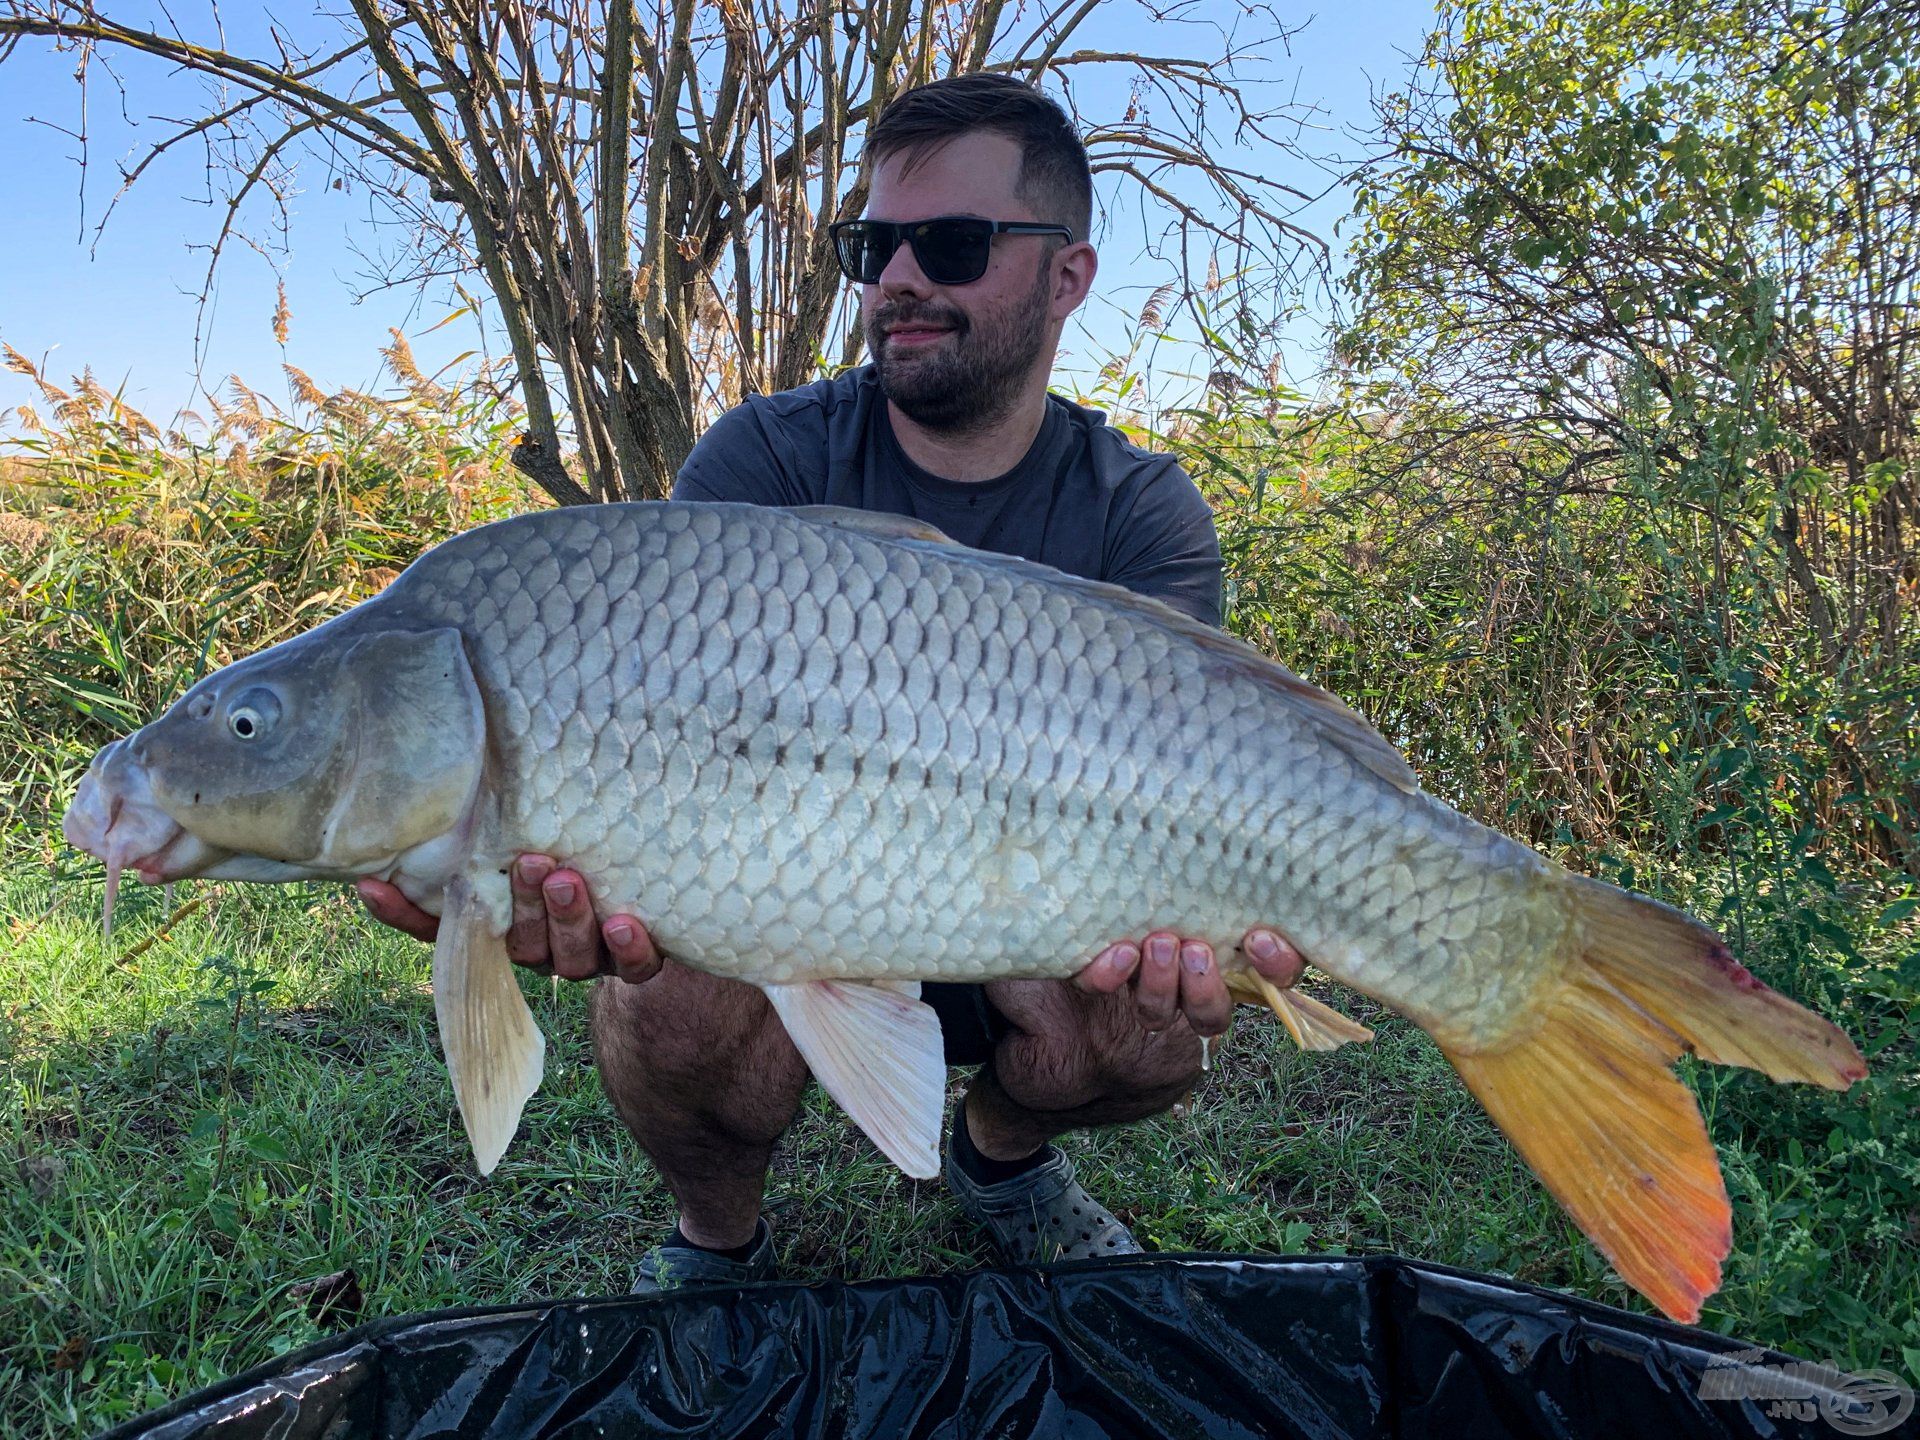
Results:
902 275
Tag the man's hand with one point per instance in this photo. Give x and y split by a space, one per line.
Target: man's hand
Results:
553 929
1177 976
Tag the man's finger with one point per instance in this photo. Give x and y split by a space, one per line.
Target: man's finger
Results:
1203 993
1273 957
634 957
527 935
387 905
572 936
1158 990
1110 969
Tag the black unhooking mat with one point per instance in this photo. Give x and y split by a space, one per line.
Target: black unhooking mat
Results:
1184 1346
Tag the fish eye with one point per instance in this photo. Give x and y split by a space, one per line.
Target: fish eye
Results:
253 713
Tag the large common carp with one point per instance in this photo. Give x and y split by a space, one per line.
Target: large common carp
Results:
834 754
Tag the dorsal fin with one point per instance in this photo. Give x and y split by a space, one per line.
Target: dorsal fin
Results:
1332 716
874 522
1327 713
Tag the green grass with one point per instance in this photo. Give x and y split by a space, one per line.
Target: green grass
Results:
196 1122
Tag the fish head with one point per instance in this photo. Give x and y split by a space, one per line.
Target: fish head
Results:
324 756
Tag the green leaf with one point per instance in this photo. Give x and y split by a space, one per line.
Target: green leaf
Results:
224 1214
265 1147
205 1125
1832 934
1813 866
1900 910
1849 1311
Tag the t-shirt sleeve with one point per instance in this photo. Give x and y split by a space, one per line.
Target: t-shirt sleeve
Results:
1165 546
738 459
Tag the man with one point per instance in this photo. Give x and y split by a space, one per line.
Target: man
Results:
951 424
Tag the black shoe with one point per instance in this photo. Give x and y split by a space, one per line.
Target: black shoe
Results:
686 1267
1040 1215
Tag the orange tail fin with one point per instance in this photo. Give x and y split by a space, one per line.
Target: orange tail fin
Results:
1587 1098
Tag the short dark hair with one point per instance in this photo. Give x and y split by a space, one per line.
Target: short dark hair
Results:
1055 179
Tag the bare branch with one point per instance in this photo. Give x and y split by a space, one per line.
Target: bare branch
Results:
648 192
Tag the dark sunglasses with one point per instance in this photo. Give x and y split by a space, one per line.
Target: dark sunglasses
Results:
950 250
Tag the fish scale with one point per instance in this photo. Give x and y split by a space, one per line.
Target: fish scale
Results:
834 755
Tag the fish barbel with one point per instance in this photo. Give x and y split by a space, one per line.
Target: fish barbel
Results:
834 754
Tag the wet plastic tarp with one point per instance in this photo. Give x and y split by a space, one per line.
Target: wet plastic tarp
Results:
1189 1346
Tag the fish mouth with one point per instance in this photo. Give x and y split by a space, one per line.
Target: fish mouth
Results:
115 819
175 860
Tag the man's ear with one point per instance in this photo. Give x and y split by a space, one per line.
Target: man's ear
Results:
1074 269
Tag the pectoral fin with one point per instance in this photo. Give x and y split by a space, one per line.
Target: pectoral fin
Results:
495 1052
876 1048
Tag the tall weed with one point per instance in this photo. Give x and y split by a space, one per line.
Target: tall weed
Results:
133 560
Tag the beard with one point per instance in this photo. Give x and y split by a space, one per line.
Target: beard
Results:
974 378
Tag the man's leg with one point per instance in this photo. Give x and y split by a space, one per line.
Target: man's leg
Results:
1074 1060
703 1074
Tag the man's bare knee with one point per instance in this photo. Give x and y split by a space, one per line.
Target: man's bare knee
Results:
685 1048
1130 1060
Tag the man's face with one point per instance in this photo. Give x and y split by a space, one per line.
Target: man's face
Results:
958 358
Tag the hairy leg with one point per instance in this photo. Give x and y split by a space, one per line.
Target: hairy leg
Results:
702 1072
1075 1060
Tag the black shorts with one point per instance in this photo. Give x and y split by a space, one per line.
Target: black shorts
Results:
969 1026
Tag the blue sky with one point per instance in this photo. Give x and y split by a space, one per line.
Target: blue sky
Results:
126 302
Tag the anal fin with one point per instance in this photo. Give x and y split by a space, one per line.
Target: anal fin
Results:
495 1052
876 1049
1313 1025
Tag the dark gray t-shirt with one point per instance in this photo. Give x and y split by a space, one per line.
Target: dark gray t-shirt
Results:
1084 500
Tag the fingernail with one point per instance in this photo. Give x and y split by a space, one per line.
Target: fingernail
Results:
1195 958
1124 957
1262 945
533 869
1160 950
619 933
560 894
